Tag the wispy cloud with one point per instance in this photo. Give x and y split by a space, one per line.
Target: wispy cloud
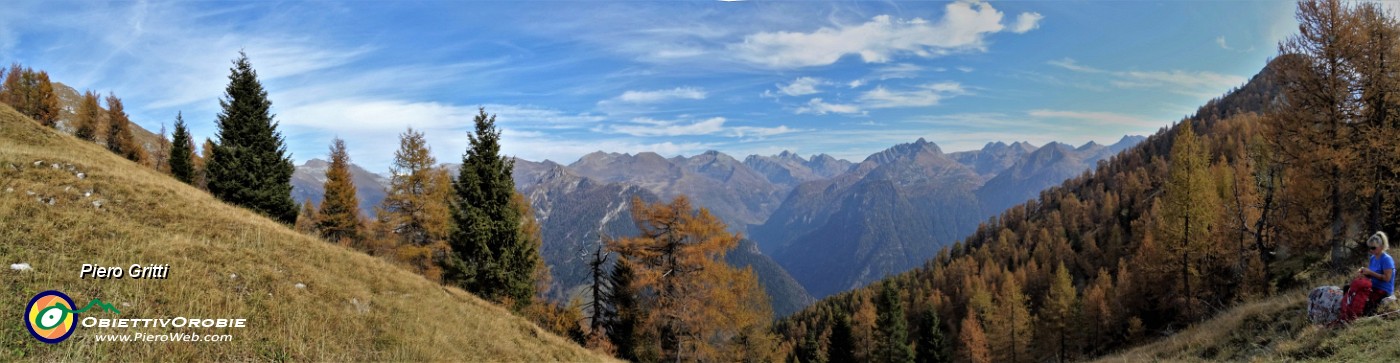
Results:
369 125
924 95
1195 83
650 127
816 106
1102 118
653 96
963 27
802 86
647 127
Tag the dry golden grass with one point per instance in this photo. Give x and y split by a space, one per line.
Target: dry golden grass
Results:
225 262
1274 329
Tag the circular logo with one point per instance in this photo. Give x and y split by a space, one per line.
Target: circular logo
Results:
50 317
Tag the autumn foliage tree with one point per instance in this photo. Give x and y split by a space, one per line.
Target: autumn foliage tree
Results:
415 210
696 305
972 341
1188 213
87 117
1060 317
31 93
306 220
1286 169
119 138
338 220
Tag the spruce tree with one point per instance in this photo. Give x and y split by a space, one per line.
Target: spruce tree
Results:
809 350
119 138
250 166
893 343
182 152
493 257
843 342
931 343
87 117
339 217
624 317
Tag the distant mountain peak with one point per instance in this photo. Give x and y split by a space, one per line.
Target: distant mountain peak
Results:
315 163
1130 139
905 151
792 156
1089 145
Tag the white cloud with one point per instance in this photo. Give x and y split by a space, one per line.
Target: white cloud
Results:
370 126
925 95
963 27
856 83
540 117
802 86
1184 82
648 127
1070 64
1026 22
818 107
654 96
897 71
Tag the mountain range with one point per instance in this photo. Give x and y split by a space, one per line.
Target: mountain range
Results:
813 226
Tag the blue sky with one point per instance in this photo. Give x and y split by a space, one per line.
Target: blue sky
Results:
570 77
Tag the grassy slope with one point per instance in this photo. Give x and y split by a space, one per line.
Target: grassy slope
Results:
353 307
1274 329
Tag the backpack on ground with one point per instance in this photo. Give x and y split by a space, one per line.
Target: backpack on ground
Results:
1354 302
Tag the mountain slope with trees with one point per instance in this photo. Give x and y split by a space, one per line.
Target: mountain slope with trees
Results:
1261 192
99 206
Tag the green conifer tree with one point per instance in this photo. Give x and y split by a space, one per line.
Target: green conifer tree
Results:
843 342
893 343
182 152
249 165
623 316
494 257
931 343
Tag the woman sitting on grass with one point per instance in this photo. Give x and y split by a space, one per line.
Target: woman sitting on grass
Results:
1381 271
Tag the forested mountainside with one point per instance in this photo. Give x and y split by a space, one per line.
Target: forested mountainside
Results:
898 207
1228 205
